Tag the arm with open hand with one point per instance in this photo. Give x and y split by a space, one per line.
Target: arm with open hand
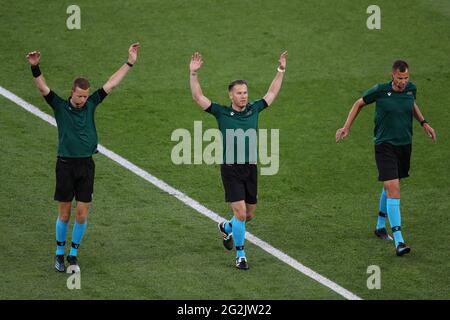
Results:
275 86
428 129
117 77
341 133
196 90
34 58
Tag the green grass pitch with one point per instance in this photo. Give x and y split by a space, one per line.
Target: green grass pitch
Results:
320 208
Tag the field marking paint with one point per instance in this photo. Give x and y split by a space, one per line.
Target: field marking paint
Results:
191 202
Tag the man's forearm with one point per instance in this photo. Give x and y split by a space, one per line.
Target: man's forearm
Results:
39 80
196 89
116 78
353 114
417 114
197 93
275 86
40 84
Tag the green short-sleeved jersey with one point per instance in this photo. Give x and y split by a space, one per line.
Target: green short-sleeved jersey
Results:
237 128
77 135
393 113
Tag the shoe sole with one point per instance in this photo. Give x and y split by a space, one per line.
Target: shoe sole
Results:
224 242
229 240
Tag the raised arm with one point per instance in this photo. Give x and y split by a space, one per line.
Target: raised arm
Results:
343 132
428 129
275 86
196 90
34 58
117 77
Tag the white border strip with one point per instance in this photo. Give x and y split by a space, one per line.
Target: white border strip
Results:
190 202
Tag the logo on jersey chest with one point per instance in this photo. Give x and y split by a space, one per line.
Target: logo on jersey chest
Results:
409 93
246 114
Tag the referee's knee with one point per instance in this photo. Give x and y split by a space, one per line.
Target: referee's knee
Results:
393 192
240 215
82 213
64 217
392 188
81 217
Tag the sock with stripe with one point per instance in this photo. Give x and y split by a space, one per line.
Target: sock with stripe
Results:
61 234
382 210
393 211
239 236
77 236
228 226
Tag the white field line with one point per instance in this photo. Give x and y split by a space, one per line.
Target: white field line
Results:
191 202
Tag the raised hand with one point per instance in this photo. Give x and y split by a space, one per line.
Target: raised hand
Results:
282 60
34 57
196 62
132 52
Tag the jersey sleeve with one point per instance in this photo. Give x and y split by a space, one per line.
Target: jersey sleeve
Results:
53 99
371 95
214 109
97 97
260 105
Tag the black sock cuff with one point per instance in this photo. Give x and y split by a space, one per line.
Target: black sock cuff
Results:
75 245
395 229
382 214
60 244
239 248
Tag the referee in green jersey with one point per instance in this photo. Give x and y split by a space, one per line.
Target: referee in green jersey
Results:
238 170
77 142
395 108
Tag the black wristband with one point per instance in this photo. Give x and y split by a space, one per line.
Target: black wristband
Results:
129 64
423 122
35 71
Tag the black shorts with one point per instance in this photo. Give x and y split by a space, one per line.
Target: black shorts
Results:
74 177
240 182
392 161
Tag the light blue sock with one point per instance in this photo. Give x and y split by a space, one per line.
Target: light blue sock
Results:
61 234
393 210
228 225
239 237
382 210
77 235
